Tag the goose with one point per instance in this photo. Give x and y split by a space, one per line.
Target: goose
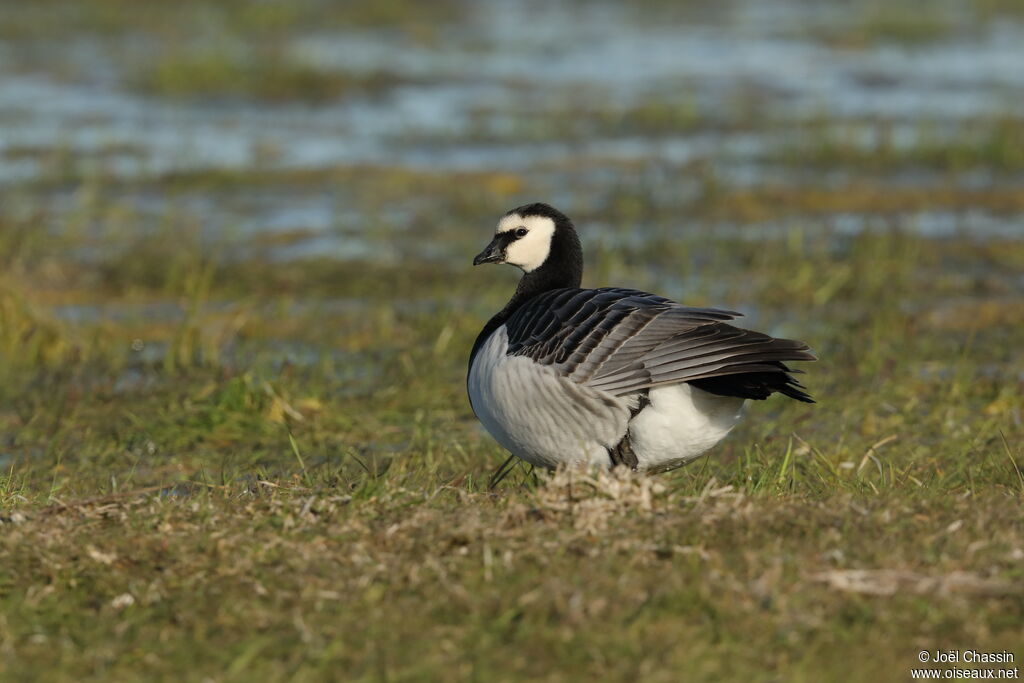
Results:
565 376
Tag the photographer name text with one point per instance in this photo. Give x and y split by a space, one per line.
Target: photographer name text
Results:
966 657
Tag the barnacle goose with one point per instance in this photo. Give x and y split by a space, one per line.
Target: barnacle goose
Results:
610 376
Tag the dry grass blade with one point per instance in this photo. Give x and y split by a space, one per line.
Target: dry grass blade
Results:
886 582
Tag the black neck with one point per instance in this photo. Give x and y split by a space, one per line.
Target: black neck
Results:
562 269
544 279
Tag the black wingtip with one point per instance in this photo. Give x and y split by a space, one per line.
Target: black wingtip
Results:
757 384
797 395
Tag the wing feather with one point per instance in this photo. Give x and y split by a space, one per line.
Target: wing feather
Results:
623 341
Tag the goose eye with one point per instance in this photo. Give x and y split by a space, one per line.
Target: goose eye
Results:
520 232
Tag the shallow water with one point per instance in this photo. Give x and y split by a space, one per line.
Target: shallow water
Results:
517 86
488 61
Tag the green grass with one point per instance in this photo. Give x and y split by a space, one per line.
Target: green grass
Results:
996 143
114 18
216 465
231 50
263 75
206 507
893 23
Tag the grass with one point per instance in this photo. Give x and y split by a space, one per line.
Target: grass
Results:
225 51
893 23
264 75
991 144
113 18
217 463
256 485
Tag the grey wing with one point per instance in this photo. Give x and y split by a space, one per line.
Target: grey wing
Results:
623 341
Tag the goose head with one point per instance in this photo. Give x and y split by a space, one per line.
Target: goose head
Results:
538 239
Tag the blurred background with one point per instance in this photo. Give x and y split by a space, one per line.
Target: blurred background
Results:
287 195
236 307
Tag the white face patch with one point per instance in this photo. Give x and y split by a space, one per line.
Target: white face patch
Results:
531 250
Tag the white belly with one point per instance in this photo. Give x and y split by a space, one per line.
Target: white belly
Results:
537 414
681 423
549 420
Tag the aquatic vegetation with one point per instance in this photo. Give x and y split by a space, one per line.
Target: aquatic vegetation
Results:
992 144
268 75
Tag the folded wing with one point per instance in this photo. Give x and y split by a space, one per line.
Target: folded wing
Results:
623 341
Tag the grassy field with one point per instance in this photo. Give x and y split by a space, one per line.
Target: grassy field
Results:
226 455
224 468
